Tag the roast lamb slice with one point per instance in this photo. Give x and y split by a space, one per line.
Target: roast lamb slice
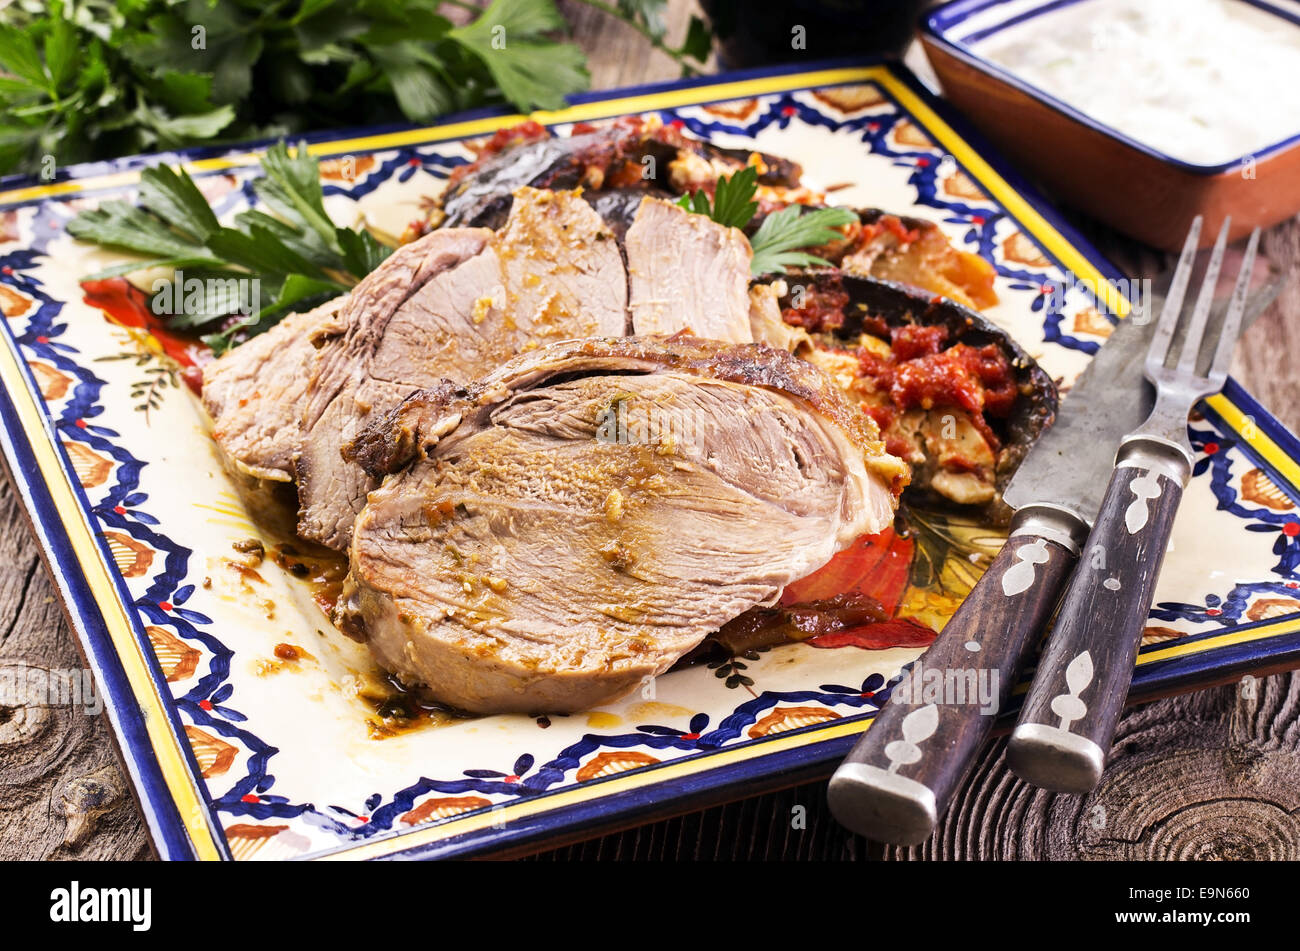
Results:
255 393
576 521
553 272
687 272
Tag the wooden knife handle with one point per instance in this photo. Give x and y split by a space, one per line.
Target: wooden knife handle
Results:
902 774
1068 718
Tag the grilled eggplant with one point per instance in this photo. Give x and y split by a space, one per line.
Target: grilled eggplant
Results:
953 394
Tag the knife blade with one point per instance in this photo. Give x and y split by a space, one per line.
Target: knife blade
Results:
1107 400
900 777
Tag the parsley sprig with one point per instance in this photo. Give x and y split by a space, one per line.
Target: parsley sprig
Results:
298 255
733 199
779 240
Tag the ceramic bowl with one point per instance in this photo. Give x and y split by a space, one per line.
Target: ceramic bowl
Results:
1104 173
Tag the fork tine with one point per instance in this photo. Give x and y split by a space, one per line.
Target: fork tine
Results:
1159 348
1191 352
1236 309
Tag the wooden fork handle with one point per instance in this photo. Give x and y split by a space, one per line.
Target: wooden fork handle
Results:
1068 718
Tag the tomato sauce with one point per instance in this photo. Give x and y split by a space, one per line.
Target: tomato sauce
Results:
822 310
891 224
920 374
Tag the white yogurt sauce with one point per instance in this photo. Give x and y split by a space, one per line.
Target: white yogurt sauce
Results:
1204 81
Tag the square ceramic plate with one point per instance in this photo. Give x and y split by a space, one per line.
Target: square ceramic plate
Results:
237 756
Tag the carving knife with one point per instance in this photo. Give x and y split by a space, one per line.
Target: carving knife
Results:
902 774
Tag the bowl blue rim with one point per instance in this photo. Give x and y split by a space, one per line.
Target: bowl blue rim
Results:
937 23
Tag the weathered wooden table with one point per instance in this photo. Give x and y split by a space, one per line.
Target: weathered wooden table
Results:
1214 774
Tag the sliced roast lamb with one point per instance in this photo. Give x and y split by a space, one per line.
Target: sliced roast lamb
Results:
553 272
578 520
687 272
455 305
255 394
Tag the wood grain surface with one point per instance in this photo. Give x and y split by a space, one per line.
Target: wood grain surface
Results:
1212 775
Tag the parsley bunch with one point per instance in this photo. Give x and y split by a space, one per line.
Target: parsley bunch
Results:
91 79
298 256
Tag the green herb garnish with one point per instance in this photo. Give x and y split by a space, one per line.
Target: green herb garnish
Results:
778 240
93 79
298 256
733 199
530 70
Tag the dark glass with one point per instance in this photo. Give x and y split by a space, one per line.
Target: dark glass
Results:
761 34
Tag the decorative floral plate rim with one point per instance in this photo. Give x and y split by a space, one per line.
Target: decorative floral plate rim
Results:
145 721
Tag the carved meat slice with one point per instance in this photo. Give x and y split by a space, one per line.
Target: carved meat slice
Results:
549 537
687 272
254 394
552 273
